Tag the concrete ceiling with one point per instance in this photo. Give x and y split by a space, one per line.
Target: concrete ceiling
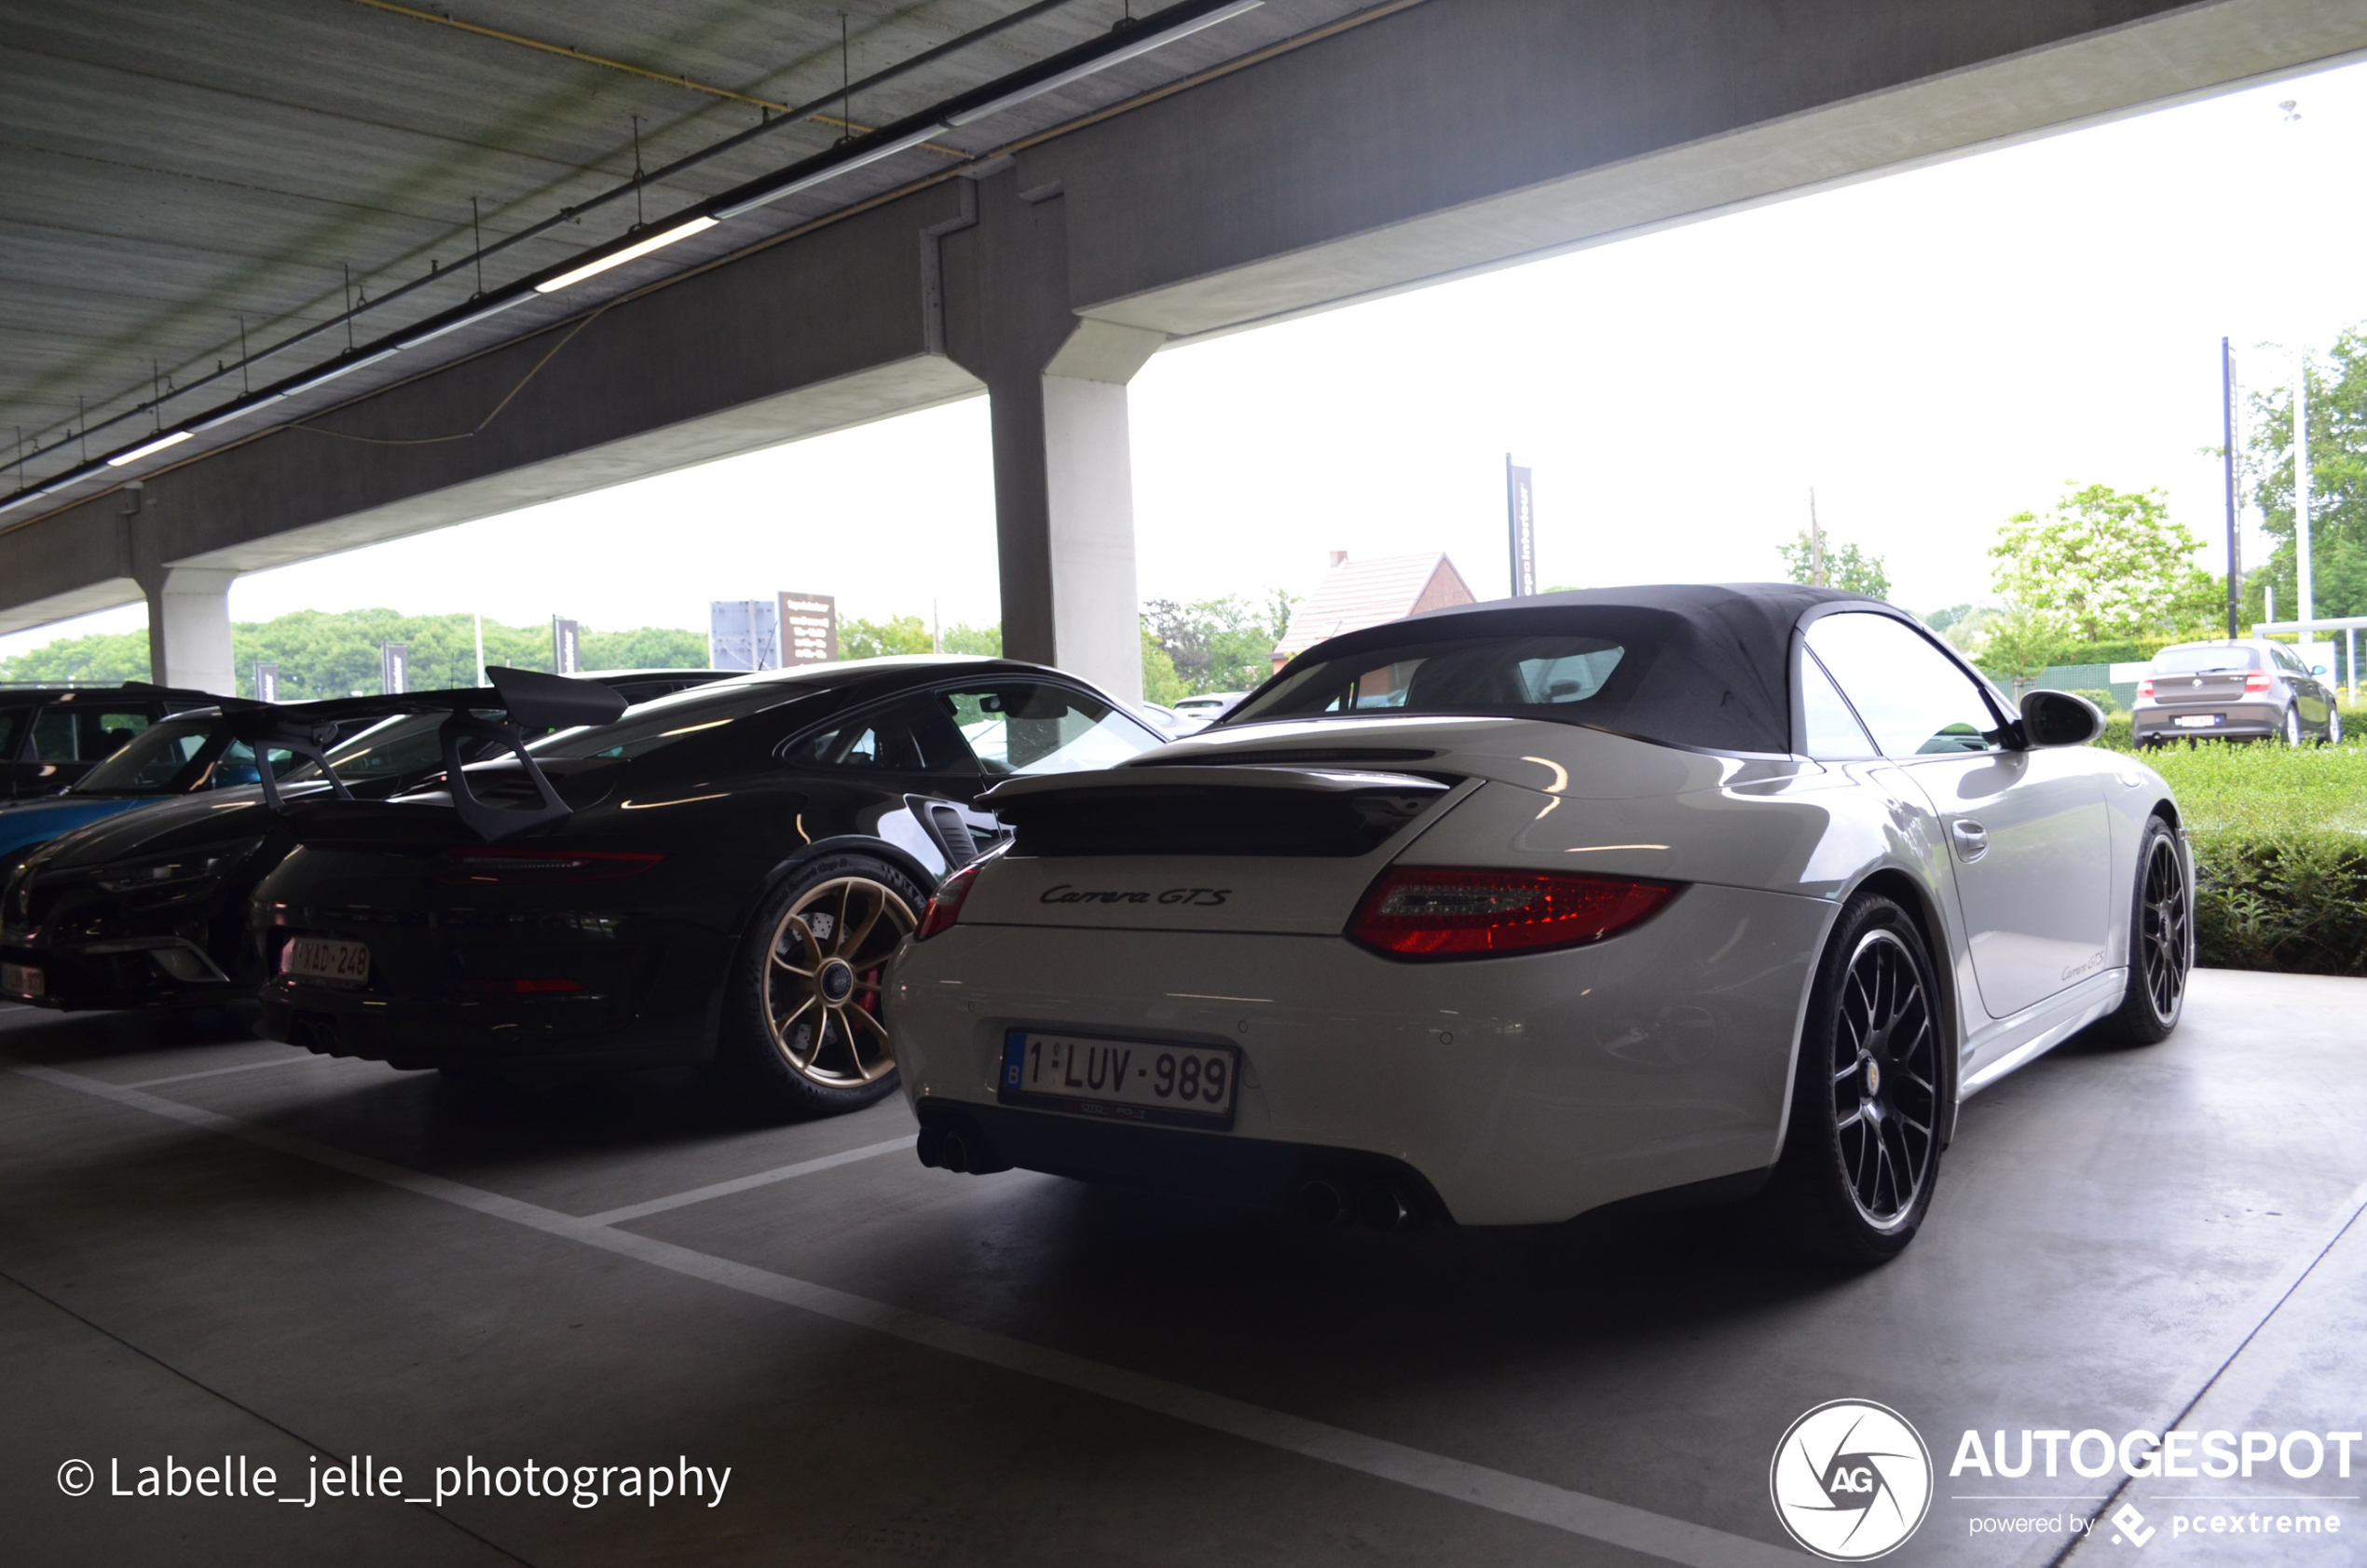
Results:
173 169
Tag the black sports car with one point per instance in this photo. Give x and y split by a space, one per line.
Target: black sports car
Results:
145 903
715 879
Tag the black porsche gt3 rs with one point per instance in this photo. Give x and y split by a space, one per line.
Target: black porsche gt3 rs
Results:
717 879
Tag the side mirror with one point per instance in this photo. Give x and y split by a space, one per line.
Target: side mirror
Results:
2318 669
2058 718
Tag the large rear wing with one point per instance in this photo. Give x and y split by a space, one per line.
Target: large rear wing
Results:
527 701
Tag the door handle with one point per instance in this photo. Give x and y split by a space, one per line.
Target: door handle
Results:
1972 840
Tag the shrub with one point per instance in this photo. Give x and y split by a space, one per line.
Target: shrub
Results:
2294 901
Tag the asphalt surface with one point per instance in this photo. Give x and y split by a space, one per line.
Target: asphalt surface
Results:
213 1245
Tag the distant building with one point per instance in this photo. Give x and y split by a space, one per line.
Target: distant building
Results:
1355 595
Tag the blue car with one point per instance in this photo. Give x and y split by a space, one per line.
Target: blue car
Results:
183 756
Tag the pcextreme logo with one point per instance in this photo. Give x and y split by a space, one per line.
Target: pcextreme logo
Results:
1851 1481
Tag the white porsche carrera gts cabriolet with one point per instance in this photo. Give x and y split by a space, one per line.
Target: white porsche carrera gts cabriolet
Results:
1505 913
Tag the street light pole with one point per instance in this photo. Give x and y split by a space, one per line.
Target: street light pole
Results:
2227 449
2301 492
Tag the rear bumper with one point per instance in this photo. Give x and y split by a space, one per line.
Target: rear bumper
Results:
1518 1090
133 973
2244 721
645 1001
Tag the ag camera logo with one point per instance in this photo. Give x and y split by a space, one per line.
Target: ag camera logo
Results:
1851 1481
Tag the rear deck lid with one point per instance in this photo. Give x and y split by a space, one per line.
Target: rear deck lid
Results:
1258 847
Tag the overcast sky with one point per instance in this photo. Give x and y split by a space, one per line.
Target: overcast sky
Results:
1931 351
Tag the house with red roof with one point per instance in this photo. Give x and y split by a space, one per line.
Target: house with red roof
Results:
1355 595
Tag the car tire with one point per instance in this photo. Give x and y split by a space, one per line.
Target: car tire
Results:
1861 1151
2161 942
802 1034
2292 725
2333 724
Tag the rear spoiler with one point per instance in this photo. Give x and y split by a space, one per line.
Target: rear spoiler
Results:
528 699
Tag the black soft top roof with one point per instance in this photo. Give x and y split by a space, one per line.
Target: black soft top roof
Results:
1714 672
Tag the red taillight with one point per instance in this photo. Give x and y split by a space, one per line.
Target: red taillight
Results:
2145 687
946 907
2258 680
470 864
1419 912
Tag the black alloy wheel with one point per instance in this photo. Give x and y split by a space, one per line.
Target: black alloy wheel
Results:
802 1033
1862 1152
2161 942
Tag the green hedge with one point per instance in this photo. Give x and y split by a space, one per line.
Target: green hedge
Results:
2293 901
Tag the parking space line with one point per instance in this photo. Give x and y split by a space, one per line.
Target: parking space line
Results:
218 1071
1578 1513
746 1184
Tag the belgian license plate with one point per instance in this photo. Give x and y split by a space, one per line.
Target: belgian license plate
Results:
325 957
2198 721
1121 1080
21 979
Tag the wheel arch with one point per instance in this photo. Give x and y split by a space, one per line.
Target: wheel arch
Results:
838 843
1904 890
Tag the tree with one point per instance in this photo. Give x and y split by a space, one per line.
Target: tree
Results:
644 647
323 653
97 659
2337 411
1160 683
2106 563
2021 642
1219 645
876 639
1845 566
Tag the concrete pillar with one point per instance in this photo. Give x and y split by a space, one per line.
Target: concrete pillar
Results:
1063 469
189 630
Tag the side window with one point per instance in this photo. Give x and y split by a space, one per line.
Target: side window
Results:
11 731
911 736
1832 732
1031 726
79 734
1912 697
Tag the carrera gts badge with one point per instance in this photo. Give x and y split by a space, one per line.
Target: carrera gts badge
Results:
1199 898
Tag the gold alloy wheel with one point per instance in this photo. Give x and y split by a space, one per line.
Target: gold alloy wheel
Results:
822 981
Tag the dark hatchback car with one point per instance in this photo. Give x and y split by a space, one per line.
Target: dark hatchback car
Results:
2234 691
730 871
147 904
50 737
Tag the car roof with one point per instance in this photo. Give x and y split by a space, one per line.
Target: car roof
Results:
1720 679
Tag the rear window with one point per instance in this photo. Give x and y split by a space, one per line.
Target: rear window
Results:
2203 661
1550 675
648 727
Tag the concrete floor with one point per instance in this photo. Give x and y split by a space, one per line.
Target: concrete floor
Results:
216 1246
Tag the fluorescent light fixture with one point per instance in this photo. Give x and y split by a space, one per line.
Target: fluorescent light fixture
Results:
236 411
485 313
618 258
331 372
868 154
1151 40
171 438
